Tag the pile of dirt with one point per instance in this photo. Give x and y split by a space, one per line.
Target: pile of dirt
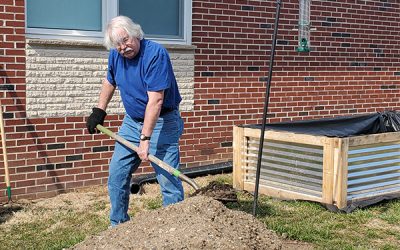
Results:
220 191
199 222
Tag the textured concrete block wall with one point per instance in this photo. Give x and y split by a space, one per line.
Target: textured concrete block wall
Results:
64 78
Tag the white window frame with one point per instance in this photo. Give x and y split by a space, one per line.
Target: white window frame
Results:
110 10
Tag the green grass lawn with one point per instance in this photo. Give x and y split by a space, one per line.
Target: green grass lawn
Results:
375 227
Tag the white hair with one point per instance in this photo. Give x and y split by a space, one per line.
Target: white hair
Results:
111 37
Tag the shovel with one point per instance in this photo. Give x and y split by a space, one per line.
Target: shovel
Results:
3 144
152 158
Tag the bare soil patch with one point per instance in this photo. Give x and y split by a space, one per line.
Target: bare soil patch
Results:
219 191
199 222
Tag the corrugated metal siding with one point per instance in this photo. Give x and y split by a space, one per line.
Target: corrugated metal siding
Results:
288 166
373 169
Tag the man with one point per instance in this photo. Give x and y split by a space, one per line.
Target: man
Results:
142 71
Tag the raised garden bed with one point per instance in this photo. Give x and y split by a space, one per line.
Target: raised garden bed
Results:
301 161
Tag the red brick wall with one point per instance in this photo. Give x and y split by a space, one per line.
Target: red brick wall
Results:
353 68
12 87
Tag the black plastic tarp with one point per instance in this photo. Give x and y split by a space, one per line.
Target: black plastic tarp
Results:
345 126
391 120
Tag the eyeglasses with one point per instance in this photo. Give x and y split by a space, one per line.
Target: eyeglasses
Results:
124 41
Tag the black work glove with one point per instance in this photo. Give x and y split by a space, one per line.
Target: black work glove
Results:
97 117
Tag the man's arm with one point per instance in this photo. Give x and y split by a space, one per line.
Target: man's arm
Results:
99 114
152 113
106 93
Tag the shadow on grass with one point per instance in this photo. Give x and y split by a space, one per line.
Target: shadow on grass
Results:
263 209
8 210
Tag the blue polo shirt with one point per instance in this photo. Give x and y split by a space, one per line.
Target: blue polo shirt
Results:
150 70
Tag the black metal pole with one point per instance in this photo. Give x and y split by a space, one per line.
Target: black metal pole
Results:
268 87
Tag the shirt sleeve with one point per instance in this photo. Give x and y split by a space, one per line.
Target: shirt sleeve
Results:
158 76
110 68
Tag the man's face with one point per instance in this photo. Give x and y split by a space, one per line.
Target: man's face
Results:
128 47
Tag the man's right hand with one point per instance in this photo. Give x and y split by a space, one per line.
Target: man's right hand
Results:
97 117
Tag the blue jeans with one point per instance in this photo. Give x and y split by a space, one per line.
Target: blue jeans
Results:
163 144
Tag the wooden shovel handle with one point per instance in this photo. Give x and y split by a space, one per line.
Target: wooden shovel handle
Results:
152 158
5 159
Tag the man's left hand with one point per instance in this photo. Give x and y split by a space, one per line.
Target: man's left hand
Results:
143 150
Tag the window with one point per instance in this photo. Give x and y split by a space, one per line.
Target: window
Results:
164 21
86 18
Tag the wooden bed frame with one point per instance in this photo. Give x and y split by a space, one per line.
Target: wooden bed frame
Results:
330 170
